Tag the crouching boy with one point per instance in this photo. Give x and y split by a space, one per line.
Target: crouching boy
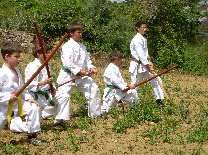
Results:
116 89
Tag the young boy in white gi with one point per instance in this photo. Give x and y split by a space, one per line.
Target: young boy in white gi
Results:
10 82
141 66
39 89
116 89
76 62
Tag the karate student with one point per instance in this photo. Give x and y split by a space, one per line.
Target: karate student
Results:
10 82
141 66
116 89
76 62
39 89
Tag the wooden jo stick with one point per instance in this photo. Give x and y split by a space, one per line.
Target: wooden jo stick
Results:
41 67
162 87
136 85
44 54
72 80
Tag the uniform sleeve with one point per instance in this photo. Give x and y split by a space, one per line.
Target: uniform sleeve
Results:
148 57
29 71
119 82
88 61
114 77
4 97
33 86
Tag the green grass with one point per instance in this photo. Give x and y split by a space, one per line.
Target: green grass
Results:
196 58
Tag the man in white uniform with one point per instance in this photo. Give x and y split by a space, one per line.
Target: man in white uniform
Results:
141 66
10 82
76 62
116 89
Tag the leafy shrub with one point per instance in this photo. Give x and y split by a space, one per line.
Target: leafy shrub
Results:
53 16
15 15
170 30
110 26
196 58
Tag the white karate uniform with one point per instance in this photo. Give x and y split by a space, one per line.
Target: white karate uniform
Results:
139 51
61 99
8 86
75 58
112 76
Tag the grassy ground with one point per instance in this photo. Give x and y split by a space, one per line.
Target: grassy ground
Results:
180 129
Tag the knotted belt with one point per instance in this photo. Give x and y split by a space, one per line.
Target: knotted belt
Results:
68 71
21 111
111 88
45 93
138 61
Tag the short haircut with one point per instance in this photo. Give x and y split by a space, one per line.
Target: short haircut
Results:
139 23
73 26
115 54
9 48
37 48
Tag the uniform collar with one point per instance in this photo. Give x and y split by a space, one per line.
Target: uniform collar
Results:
37 62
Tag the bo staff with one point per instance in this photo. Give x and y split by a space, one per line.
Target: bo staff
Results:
136 85
44 54
41 67
161 87
72 80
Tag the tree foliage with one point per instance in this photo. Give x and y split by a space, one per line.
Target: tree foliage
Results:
110 26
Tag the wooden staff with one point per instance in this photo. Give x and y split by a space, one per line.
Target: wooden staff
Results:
158 80
161 87
41 67
72 80
44 54
136 85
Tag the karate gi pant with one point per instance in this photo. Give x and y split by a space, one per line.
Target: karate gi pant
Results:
137 78
61 108
90 90
32 117
116 95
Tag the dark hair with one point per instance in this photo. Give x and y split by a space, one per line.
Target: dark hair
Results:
73 26
139 23
115 54
37 48
9 48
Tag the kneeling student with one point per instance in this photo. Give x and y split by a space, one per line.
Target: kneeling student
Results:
39 89
10 82
116 89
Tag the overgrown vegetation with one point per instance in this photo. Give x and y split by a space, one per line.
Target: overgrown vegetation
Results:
110 26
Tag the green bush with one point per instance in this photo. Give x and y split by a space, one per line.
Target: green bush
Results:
170 30
53 16
110 26
196 59
15 15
